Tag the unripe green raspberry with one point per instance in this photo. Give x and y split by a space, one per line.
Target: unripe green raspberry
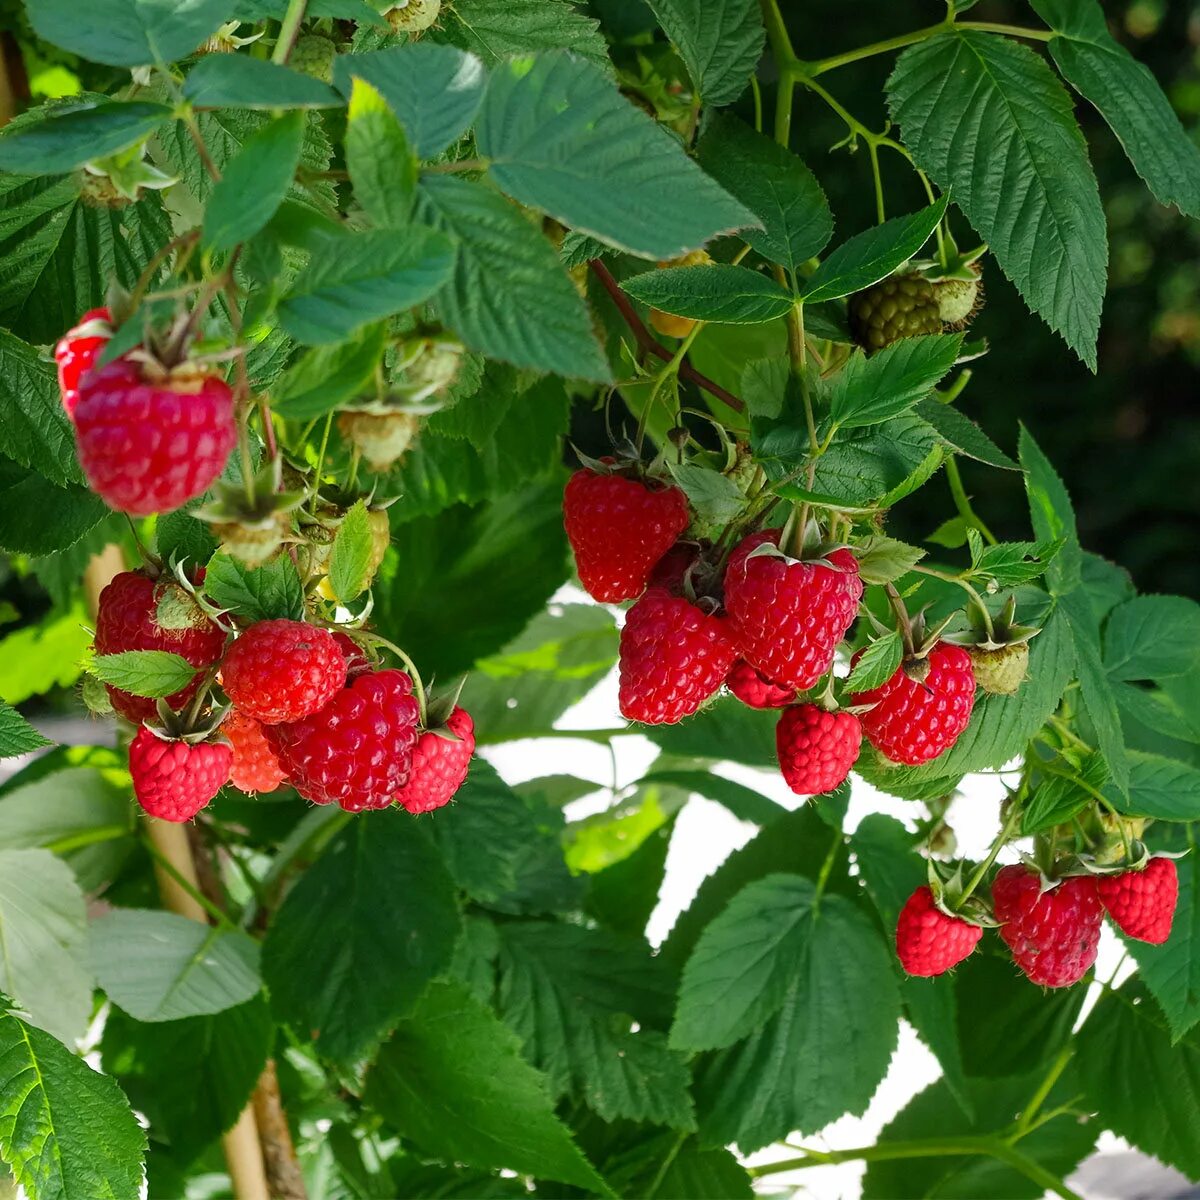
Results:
412 16
897 307
382 437
1000 672
314 55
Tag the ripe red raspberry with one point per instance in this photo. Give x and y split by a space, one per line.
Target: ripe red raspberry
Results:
254 767
127 618
1142 903
357 751
673 657
283 670
77 350
356 658
619 528
149 447
816 748
439 765
914 720
174 780
789 615
929 941
1053 935
754 689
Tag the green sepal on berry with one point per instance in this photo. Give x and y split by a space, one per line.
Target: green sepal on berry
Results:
949 895
252 530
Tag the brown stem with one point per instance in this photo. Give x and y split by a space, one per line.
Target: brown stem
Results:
648 344
283 1168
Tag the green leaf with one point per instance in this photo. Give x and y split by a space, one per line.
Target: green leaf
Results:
239 81
874 463
725 729
718 292
551 125
17 736
1052 514
1125 1053
960 433
433 90
883 559
868 257
361 935
353 550
987 117
452 1080
255 594
868 391
66 137
1128 97
254 183
714 497
720 43
1013 563
382 167
775 186
1057 1146
623 895
327 377
1152 637
43 923
509 297
365 277
739 974
879 662
40 657
825 1050
153 673
34 429
128 33
160 967
743 802
1058 799
1160 787
498 29
570 994
26 497
66 1130
192 1078
180 536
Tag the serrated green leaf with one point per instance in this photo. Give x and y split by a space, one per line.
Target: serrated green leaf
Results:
958 431
1152 637
1052 514
365 277
1058 799
382 167
1013 563
883 559
731 295
128 33
67 136
353 549
43 922
743 802
1128 97
875 463
327 377
879 662
509 297
255 594
551 125
160 967
451 1079
723 730
66 1130
26 497
868 391
498 29
254 183
153 673
775 186
40 657
434 91
1160 787
17 736
714 497
986 117
720 42
180 536
240 81
361 934
867 257
34 429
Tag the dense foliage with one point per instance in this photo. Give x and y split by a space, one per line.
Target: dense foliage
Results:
311 312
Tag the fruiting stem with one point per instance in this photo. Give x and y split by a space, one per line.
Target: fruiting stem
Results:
963 503
1001 840
1057 1067
187 886
962 583
410 666
151 269
903 621
288 30
827 867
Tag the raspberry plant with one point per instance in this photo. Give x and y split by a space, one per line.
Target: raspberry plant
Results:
316 315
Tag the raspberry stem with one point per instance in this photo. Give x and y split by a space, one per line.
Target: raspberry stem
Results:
410 667
222 921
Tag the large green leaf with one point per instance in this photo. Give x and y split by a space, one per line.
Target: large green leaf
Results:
720 42
66 1131
26 497
825 1050
1052 514
67 136
1152 637
509 297
1128 98
128 33
433 90
870 464
43 925
158 966
1125 1054
775 186
40 657
239 81
382 165
726 729
869 391
34 429
1161 787
361 935
728 294
552 127
255 594
957 430
497 29
451 1079
986 117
